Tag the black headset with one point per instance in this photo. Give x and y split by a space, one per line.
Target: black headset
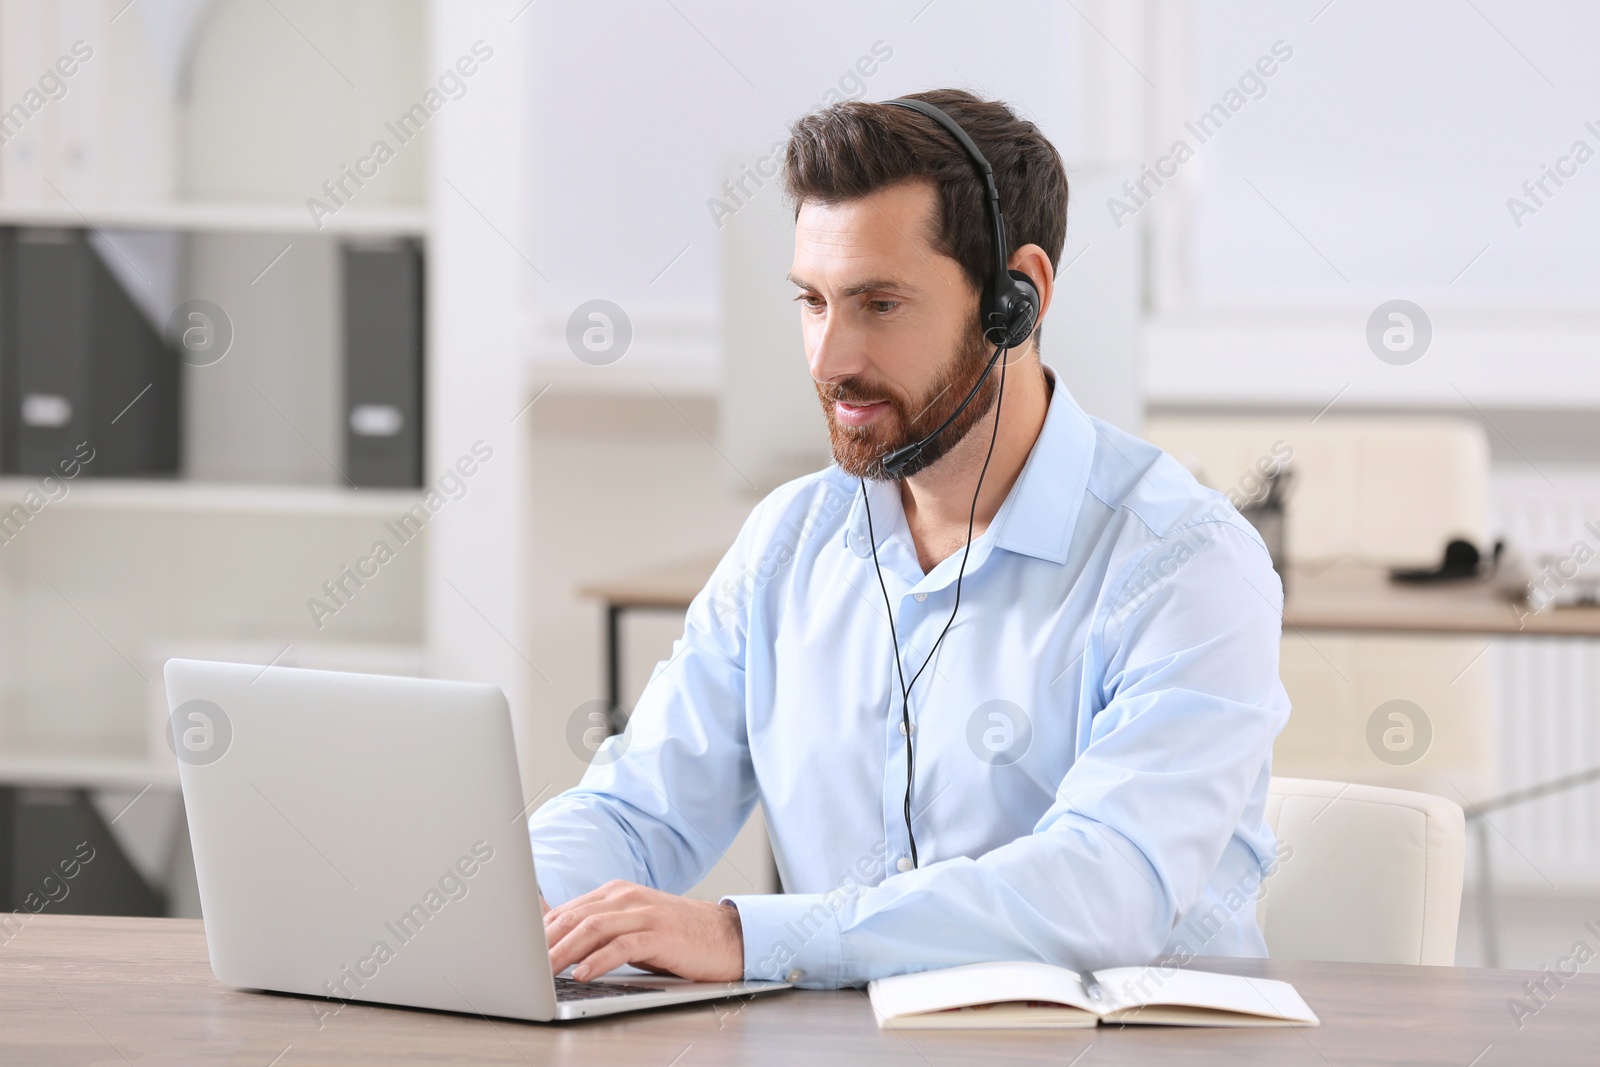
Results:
1010 305
1009 310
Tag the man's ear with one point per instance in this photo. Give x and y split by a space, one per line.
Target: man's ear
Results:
1035 263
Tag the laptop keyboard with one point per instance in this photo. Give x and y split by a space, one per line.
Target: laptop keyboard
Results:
572 989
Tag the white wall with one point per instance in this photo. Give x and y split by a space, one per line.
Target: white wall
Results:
1378 161
637 111
1392 140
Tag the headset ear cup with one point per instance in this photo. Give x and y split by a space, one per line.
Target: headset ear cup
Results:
1021 309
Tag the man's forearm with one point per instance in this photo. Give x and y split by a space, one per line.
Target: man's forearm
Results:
1057 896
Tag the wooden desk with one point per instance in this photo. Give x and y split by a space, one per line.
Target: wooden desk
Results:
79 990
1362 599
669 585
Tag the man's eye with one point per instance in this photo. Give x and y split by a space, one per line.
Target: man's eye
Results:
883 305
810 300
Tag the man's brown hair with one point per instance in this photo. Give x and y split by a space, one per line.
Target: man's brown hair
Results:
855 148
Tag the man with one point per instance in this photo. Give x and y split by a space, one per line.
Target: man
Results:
1092 734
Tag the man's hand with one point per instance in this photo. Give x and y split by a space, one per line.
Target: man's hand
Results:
626 923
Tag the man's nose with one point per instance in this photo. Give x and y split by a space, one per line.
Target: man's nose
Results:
835 351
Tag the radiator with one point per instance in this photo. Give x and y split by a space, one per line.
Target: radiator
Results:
1547 695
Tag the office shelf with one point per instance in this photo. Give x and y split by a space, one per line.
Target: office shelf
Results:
114 573
85 493
87 771
221 218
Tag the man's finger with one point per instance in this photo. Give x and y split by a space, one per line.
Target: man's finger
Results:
614 890
591 934
613 954
561 920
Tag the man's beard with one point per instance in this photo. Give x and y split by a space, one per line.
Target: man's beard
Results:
860 450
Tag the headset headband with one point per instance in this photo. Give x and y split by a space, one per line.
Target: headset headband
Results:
1011 302
990 189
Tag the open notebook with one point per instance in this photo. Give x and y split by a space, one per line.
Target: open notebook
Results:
1026 995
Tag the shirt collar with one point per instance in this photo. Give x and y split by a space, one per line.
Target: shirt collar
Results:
1038 514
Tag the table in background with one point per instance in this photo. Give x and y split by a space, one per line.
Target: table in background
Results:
1361 599
669 587
78 989
1347 598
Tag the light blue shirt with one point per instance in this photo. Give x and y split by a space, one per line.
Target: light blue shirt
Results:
1093 737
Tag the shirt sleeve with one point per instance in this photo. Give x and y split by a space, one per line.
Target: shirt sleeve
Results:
661 802
1183 657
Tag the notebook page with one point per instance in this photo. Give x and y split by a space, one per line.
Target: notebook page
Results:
976 983
1133 987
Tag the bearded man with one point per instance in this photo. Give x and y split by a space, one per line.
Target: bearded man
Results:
1003 677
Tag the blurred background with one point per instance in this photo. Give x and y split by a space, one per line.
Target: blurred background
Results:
449 338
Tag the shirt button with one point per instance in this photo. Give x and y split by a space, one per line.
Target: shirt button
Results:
907 731
794 975
919 597
903 864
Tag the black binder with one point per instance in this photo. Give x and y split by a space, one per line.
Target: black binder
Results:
59 857
79 364
8 350
383 369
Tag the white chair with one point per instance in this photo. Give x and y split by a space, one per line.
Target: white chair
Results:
1366 874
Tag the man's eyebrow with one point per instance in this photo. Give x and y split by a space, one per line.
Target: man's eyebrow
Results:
871 285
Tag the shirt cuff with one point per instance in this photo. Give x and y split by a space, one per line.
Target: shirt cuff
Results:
789 937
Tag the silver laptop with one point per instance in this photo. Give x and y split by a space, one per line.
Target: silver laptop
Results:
363 838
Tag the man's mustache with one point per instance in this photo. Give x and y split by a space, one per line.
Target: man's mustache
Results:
848 395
